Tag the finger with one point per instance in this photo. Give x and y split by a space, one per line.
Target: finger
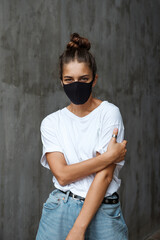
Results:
119 159
115 133
125 142
124 152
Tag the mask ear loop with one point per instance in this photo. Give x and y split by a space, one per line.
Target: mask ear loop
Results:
93 79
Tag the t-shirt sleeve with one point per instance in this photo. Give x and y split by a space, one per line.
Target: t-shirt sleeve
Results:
114 120
49 140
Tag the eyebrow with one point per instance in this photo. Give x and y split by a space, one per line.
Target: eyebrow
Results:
71 77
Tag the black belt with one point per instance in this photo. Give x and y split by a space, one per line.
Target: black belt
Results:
112 199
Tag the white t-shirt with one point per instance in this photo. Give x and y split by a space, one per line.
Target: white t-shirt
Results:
78 138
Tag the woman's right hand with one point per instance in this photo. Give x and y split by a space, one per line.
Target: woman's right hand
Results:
115 149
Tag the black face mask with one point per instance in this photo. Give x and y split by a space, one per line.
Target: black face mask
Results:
78 92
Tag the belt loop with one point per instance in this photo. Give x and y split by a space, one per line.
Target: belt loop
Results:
66 196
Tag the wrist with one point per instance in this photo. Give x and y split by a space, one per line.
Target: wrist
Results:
80 226
108 157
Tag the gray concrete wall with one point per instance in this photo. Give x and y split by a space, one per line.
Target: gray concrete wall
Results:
125 41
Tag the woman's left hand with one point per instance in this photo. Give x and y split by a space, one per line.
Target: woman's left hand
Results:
76 234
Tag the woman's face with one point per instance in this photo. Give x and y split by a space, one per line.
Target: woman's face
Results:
75 71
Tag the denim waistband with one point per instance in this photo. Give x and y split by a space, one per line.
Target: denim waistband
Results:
65 195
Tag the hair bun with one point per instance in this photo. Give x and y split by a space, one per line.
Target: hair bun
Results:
78 42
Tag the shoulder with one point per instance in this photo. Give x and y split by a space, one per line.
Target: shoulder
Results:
50 120
111 113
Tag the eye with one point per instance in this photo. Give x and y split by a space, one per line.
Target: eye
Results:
85 79
82 79
68 79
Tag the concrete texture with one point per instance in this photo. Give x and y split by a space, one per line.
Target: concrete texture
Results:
154 236
125 41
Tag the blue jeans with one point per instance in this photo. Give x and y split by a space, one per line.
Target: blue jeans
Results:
60 212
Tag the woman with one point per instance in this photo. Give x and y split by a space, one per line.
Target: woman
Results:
83 146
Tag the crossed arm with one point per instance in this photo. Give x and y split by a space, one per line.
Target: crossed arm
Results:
95 196
104 173
92 202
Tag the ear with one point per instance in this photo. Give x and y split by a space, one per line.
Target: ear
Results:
95 80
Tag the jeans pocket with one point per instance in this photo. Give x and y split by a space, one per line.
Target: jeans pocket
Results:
112 211
111 216
51 205
124 223
54 201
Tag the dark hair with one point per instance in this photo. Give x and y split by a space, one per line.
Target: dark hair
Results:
77 48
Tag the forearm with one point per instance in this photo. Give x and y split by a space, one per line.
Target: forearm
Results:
93 200
80 170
